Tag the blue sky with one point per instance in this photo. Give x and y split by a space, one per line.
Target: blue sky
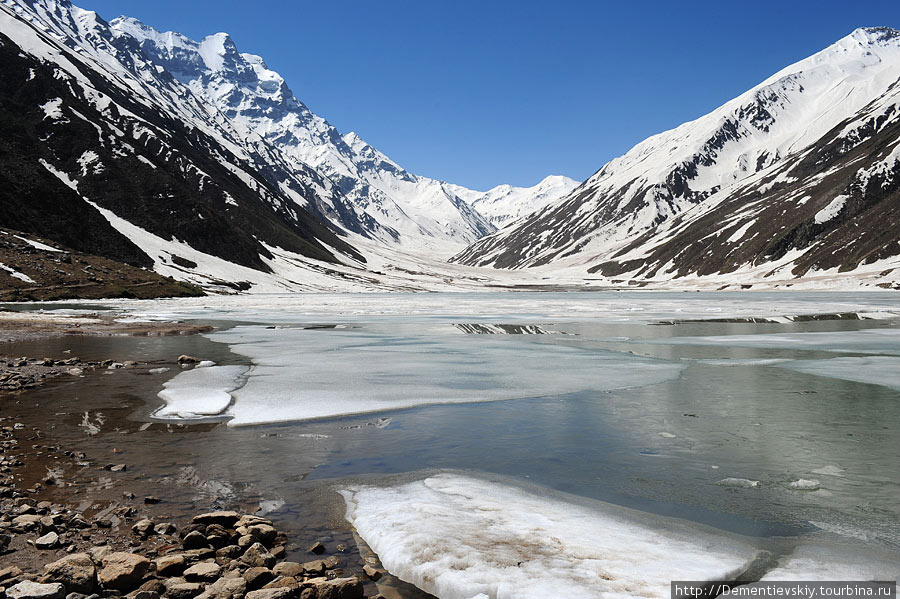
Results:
487 92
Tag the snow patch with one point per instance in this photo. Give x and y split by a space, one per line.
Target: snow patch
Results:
200 392
831 210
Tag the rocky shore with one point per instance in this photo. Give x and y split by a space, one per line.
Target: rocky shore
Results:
54 551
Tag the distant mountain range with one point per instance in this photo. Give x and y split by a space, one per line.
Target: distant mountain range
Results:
797 177
197 161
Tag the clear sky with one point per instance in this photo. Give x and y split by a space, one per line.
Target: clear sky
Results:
487 92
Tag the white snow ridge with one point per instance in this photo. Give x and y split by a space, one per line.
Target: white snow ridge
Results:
460 537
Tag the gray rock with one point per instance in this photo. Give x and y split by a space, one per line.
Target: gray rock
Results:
76 572
123 571
35 590
48 541
141 594
317 548
229 552
314 568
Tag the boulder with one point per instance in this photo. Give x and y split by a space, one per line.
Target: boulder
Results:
222 518
76 572
35 590
340 588
194 540
170 565
280 593
288 569
203 572
181 589
257 555
258 576
123 571
225 588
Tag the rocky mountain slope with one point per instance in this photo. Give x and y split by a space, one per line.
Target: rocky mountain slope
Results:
88 124
383 201
796 177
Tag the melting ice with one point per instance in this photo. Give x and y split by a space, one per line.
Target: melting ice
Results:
301 374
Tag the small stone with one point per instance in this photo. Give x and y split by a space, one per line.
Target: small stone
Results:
332 561
9 573
278 551
170 565
117 467
143 528
186 359
372 572
151 500
76 572
164 528
203 572
317 548
283 582
142 594
35 590
314 568
341 548
194 540
48 541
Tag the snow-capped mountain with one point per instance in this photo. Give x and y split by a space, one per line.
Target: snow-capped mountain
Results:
389 204
505 204
102 149
798 175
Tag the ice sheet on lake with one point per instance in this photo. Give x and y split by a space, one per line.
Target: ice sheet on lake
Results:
457 536
818 561
877 370
200 392
885 341
302 374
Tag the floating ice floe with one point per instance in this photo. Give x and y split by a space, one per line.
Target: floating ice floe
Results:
875 370
200 392
740 483
460 537
819 561
302 374
805 484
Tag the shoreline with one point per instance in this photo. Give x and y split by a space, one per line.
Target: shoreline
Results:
64 511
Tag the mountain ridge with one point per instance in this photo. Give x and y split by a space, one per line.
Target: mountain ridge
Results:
617 222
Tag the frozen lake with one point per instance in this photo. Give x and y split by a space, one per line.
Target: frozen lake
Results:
683 431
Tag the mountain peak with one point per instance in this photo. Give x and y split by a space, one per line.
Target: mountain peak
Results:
874 35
